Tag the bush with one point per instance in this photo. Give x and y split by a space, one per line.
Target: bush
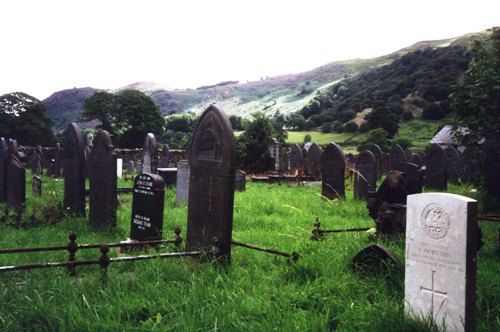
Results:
432 111
407 116
363 128
307 138
327 127
403 142
351 127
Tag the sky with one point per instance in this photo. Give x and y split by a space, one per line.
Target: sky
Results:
52 45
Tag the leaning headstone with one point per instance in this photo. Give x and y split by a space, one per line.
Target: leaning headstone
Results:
313 160
74 171
147 208
492 169
56 167
4 157
441 248
452 157
396 157
374 259
436 173
365 176
149 154
102 179
36 186
296 159
165 153
414 175
36 160
182 182
212 158
240 181
16 183
333 172
379 156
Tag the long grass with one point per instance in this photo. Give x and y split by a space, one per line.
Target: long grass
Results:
257 292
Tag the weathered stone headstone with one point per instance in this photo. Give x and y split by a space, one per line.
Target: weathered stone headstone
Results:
452 156
16 183
365 176
4 157
212 158
182 185
74 171
149 154
441 247
414 175
284 160
102 180
313 160
36 160
274 153
333 172
86 154
379 156
240 181
56 167
165 153
147 208
396 157
36 186
296 159
436 173
138 166
119 167
417 160
408 154
492 169
130 166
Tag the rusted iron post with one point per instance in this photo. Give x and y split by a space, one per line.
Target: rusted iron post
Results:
177 238
104 262
317 233
293 256
72 247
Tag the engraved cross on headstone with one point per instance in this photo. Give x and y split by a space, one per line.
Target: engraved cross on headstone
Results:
433 292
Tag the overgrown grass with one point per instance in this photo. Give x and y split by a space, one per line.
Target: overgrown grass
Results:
257 292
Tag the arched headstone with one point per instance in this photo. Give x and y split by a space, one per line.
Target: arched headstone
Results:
36 160
333 172
436 173
4 157
396 157
417 160
16 183
56 166
414 174
212 158
379 156
365 176
296 159
74 170
149 154
313 160
408 154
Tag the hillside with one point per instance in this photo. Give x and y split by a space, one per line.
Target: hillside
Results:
286 93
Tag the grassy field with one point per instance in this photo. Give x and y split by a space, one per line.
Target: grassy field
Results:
257 292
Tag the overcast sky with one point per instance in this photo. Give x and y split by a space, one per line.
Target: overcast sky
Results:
52 45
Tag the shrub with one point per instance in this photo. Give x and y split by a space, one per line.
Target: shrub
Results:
351 127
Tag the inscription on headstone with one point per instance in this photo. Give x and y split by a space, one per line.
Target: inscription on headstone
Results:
149 154
333 172
74 171
365 176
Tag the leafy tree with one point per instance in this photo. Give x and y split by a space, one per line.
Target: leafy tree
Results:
180 122
307 138
236 122
433 111
101 106
376 136
296 121
383 118
351 127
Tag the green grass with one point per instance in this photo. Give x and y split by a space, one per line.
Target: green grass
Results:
257 292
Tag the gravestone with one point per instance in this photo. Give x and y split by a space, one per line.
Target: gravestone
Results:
492 169
138 166
86 154
274 154
182 185
119 167
165 153
313 160
408 154
467 162
240 181
36 160
90 140
103 181
396 157
147 208
296 159
423 156
414 174
36 186
417 160
212 157
365 176
452 157
436 173
56 166
130 166
149 154
374 259
169 176
74 171
13 149
441 248
4 157
284 160
333 172
16 183
379 156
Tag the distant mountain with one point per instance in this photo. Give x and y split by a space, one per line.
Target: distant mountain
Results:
285 93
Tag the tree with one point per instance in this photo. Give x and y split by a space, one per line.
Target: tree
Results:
236 122
307 138
383 118
376 136
101 106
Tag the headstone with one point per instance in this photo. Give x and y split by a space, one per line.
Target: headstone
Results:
56 168
423 156
274 153
441 248
212 158
90 140
130 166
169 175
119 167
436 173
414 174
374 259
16 183
102 180
333 172
36 160
86 154
138 166
396 157
4 157
452 157
296 159
165 153
182 184
74 171
408 154
379 156
284 160
149 154
147 208
36 186
240 181
350 159
492 169
13 149
467 162
417 160
313 160
365 176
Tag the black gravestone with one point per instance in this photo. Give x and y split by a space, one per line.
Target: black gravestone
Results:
408 154
452 157
467 162
74 171
417 160
396 157
36 186
147 208
130 166
414 174
16 183
296 159
492 169
56 166
436 173
240 181
313 160
102 181
365 176
379 156
212 157
4 157
149 154
36 160
165 153
333 172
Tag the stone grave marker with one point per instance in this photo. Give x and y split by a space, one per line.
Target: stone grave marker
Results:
441 248
396 157
274 153
138 166
36 186
365 176
169 176
313 160
74 170
56 167
16 183
379 156
103 181
296 159
436 173
147 207
36 160
119 167
284 160
182 185
4 157
130 166
149 154
452 157
408 154
492 169
212 158
417 160
423 156
165 153
333 172
466 164
240 181
414 174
